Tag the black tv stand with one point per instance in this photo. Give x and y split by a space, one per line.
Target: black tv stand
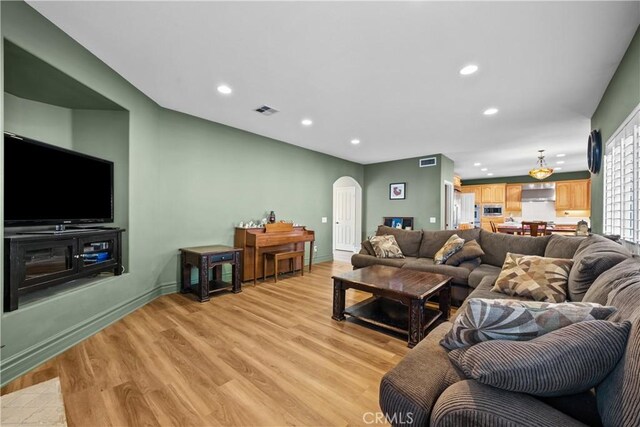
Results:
38 260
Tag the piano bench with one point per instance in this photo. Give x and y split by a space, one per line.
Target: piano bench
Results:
279 256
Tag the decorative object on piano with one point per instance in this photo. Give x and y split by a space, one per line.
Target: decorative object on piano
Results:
541 171
272 217
397 191
263 221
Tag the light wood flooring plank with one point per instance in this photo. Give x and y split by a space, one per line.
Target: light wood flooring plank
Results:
270 355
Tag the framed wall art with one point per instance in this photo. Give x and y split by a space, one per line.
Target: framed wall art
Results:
397 191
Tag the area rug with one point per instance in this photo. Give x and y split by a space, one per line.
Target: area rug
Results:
38 405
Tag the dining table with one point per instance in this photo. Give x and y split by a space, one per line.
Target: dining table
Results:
551 229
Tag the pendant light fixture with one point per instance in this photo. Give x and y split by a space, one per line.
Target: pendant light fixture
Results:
541 171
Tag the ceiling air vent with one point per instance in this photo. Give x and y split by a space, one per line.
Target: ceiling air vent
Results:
427 161
266 110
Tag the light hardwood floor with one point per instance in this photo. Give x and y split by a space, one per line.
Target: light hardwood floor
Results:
268 356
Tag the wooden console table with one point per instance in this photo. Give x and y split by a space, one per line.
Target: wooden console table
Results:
210 257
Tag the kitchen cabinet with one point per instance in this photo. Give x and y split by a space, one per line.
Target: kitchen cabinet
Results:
573 195
487 193
513 198
493 193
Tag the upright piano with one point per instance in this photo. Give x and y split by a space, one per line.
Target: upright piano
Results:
258 240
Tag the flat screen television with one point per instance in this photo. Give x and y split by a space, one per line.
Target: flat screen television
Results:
45 184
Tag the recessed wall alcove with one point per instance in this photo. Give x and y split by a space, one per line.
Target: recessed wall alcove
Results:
43 103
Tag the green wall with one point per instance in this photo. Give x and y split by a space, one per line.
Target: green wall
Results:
620 98
105 134
39 121
424 192
190 181
525 179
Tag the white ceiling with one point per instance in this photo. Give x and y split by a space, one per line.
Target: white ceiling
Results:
383 72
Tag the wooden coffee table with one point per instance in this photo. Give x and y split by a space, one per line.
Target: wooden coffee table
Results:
398 301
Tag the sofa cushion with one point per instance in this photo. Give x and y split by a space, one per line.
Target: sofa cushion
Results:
482 271
386 247
626 298
562 246
484 290
469 403
538 278
471 250
496 246
594 256
470 265
566 361
414 384
408 240
361 261
432 241
619 394
367 247
627 273
488 319
459 274
450 247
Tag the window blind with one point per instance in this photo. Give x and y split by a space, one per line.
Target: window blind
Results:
622 182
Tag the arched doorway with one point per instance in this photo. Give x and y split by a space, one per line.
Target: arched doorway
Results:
347 218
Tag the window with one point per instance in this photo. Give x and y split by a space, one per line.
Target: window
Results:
622 182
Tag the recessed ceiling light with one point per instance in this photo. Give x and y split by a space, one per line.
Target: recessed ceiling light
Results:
557 169
307 122
484 169
469 69
490 111
560 155
224 89
490 174
476 164
355 141
561 162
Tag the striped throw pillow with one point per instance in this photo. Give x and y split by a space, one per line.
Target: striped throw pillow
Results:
486 319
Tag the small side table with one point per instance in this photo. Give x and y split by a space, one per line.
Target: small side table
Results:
210 257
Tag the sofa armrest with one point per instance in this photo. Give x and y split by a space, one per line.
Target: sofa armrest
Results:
410 389
469 403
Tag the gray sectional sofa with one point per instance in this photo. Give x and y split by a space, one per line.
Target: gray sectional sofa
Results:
425 388
420 246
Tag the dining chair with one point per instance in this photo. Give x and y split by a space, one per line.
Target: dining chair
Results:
493 226
534 228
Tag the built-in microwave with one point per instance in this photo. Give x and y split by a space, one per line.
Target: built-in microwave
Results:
492 210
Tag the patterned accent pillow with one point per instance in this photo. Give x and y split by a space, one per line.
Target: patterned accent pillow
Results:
567 361
535 277
386 247
450 247
486 319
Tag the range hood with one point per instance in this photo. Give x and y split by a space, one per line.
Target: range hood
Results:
539 192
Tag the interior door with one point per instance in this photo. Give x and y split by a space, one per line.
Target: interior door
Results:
345 219
448 206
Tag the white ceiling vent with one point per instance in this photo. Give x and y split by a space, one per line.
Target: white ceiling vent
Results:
266 110
427 162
